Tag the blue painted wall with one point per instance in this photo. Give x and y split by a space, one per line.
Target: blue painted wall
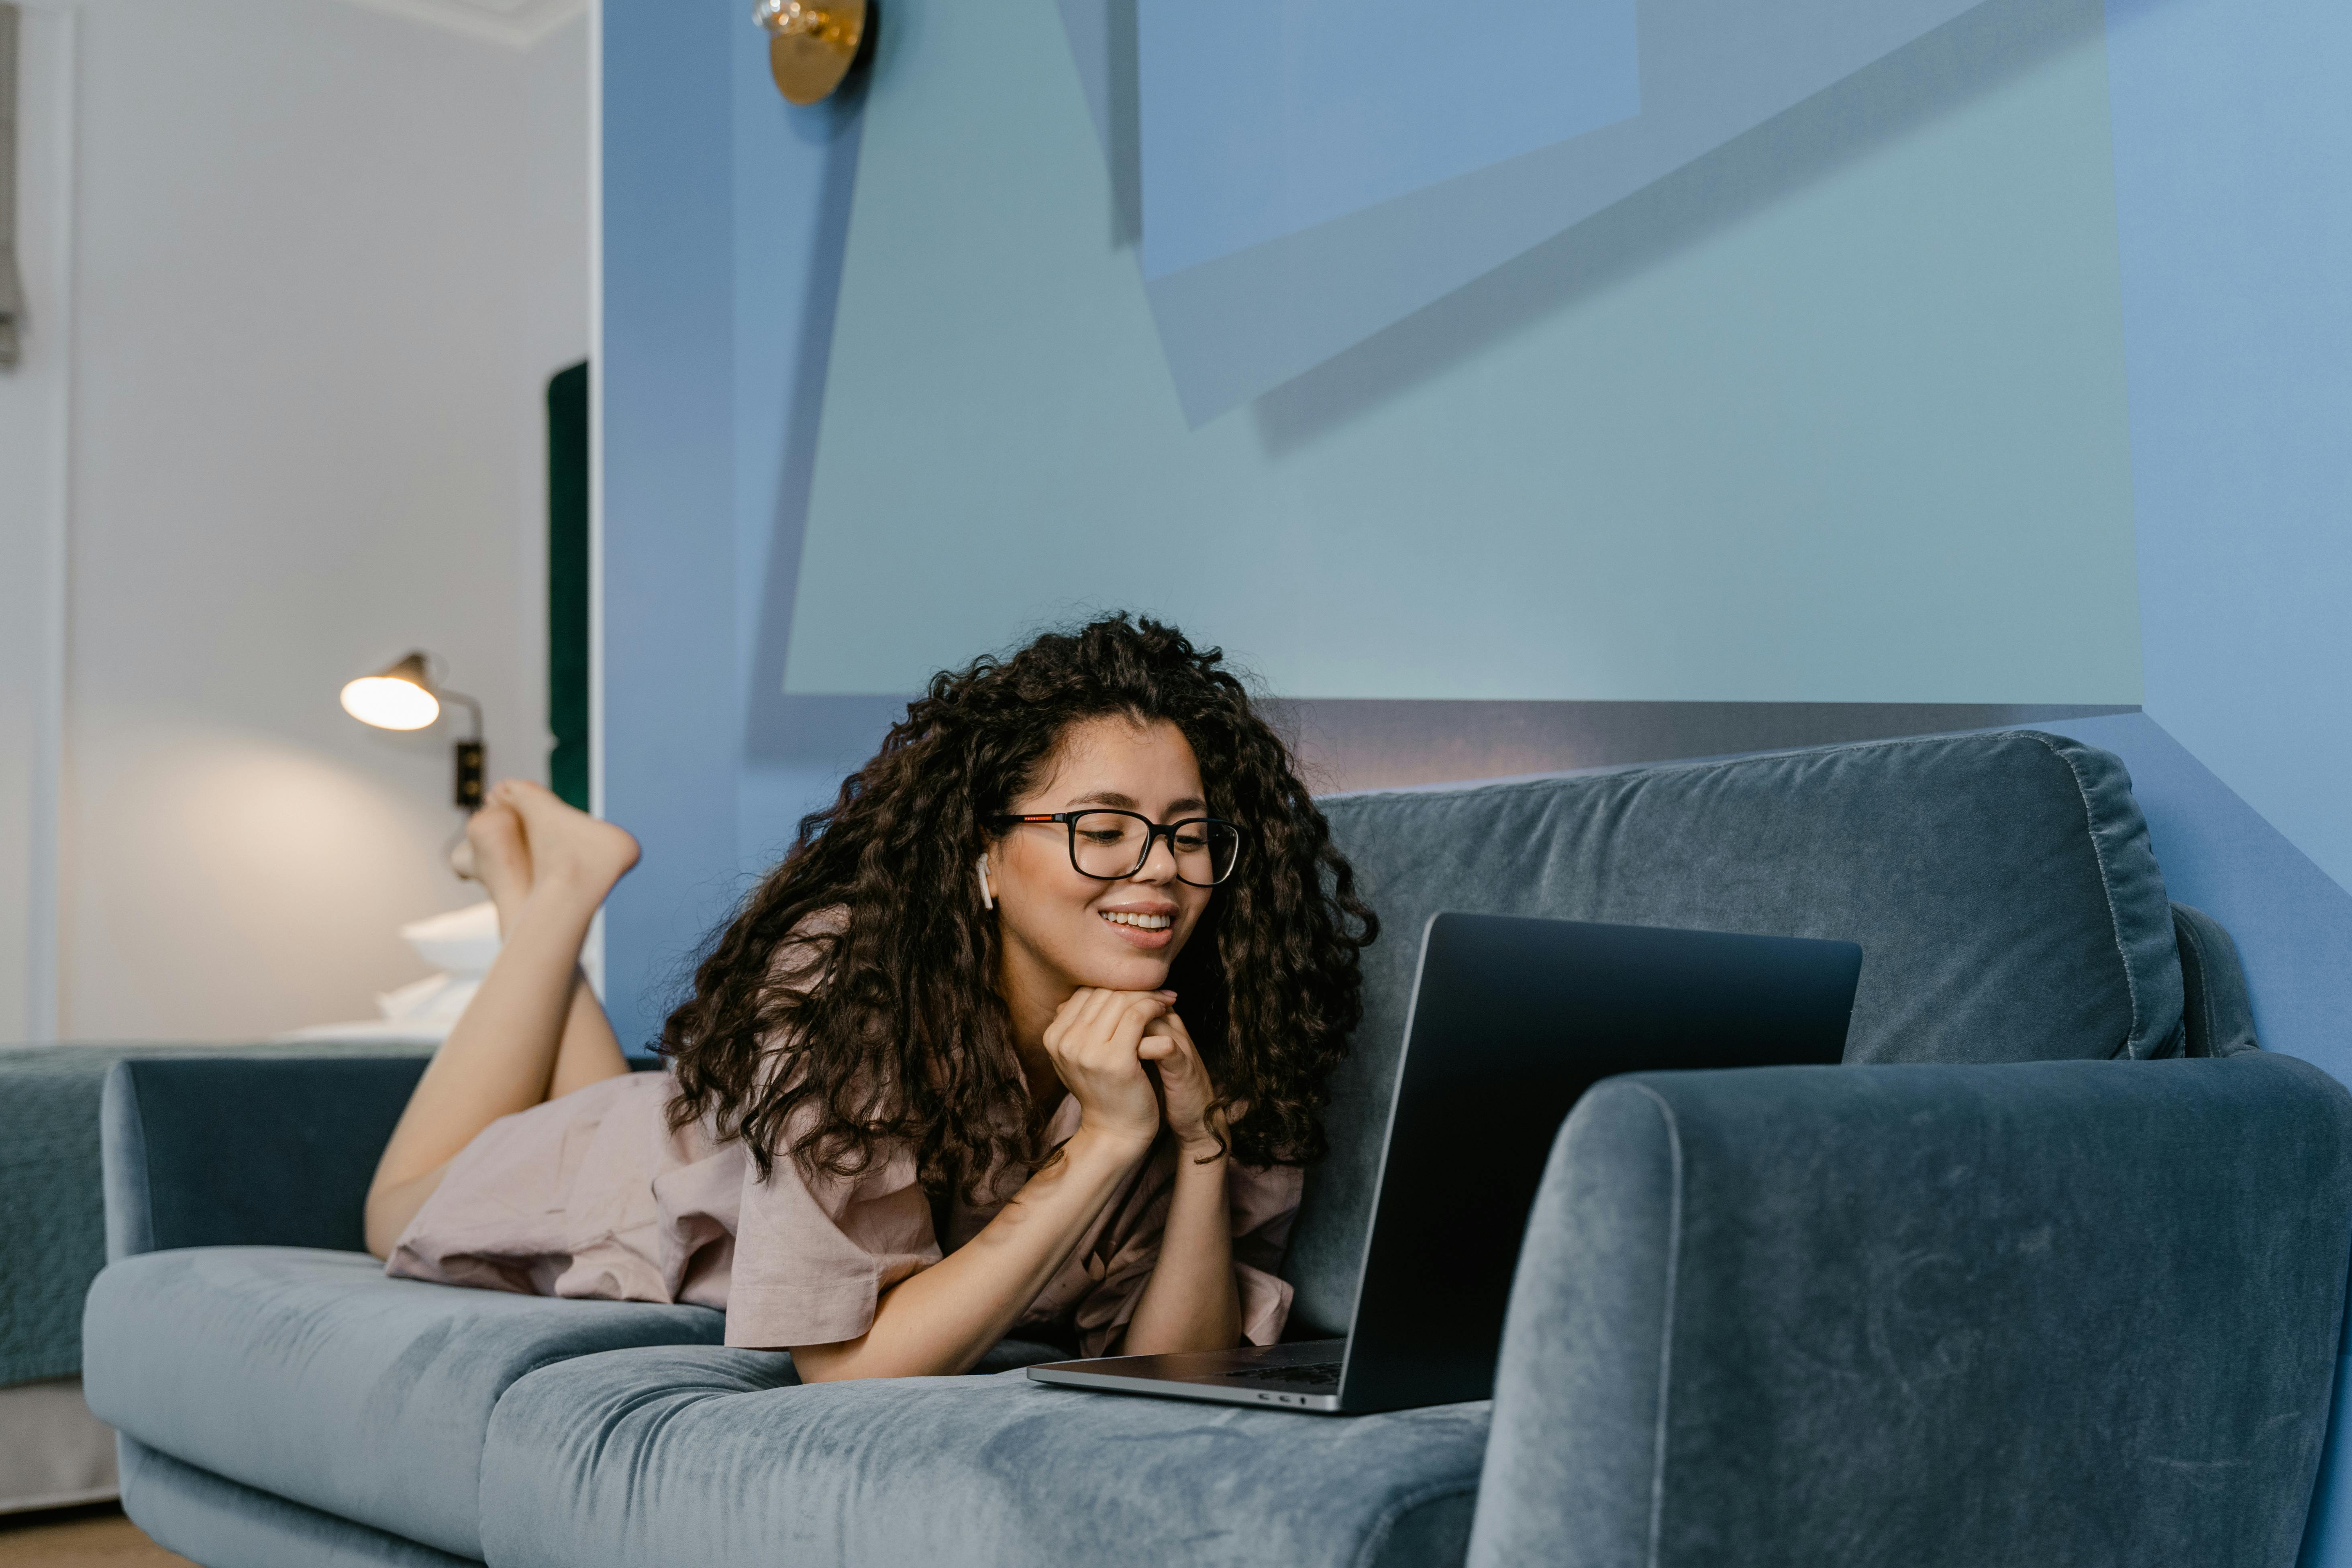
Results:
723 215
669 752
2226 131
2233 136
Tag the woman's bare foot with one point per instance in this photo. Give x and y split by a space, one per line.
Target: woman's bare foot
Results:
498 858
568 847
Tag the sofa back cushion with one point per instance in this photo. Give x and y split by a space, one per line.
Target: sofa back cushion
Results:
2001 888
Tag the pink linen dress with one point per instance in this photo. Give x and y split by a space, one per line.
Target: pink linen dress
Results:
595 1195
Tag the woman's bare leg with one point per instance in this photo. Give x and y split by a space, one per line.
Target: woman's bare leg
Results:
498 855
589 1052
533 1028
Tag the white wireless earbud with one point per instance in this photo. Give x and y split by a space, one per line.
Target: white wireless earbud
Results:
987 898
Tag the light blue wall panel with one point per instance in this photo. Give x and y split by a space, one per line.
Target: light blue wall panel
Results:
724 214
1239 325
792 175
2233 133
1264 117
669 747
1866 443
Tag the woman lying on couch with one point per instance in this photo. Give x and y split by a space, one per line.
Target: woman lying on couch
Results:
933 1084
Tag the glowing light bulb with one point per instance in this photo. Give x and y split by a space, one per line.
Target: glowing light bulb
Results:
388 702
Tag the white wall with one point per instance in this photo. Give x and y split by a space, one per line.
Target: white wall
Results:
32 499
325 259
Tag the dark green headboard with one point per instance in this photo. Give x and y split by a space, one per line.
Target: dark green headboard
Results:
567 582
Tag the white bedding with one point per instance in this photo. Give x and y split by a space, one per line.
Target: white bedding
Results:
53 1452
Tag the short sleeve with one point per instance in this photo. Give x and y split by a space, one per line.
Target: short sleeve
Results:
815 1253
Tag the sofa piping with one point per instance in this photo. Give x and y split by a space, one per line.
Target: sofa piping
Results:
118 1112
1666 1323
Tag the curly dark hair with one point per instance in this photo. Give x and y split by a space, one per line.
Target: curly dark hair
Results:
904 1039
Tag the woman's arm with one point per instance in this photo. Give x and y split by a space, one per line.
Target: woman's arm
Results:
945 1319
1191 1302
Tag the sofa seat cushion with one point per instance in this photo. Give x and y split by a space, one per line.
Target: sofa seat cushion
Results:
311 1376
206 1518
684 1458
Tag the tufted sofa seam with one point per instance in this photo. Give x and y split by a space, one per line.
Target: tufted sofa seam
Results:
482 1454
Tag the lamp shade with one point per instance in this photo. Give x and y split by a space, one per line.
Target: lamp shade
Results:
398 696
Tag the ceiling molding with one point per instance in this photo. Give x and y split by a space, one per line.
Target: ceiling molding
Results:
516 22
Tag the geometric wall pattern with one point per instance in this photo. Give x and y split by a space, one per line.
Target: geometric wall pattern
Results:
1834 414
1257 120
1622 104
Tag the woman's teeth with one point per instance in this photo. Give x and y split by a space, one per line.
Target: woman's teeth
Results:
1145 923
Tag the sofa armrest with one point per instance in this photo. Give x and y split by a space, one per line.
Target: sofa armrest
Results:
246 1149
2043 1312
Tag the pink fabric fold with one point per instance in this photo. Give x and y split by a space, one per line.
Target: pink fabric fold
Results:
595 1195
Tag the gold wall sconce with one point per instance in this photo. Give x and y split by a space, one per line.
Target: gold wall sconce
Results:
812 43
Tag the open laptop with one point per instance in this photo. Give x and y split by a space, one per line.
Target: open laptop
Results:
1511 1020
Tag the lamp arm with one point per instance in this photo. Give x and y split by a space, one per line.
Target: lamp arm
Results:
472 707
469 791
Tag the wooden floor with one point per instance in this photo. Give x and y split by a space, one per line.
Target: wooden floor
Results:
93 1537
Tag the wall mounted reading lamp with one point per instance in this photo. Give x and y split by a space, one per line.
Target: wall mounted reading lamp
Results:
402 696
812 43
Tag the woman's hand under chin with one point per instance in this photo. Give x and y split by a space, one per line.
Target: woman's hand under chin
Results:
1096 1042
1188 1099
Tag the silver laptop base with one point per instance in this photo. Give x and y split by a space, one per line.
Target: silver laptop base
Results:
1250 1376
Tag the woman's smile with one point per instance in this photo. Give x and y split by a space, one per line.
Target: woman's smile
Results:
1147 926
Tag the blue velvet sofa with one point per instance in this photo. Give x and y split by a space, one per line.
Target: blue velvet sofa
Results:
2052 1271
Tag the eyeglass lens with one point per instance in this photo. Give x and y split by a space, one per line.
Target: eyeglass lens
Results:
1115 844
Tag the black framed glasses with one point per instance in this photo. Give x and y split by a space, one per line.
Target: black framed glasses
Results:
1112 846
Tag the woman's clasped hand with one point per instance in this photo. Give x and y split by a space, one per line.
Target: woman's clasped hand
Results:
1109 1046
